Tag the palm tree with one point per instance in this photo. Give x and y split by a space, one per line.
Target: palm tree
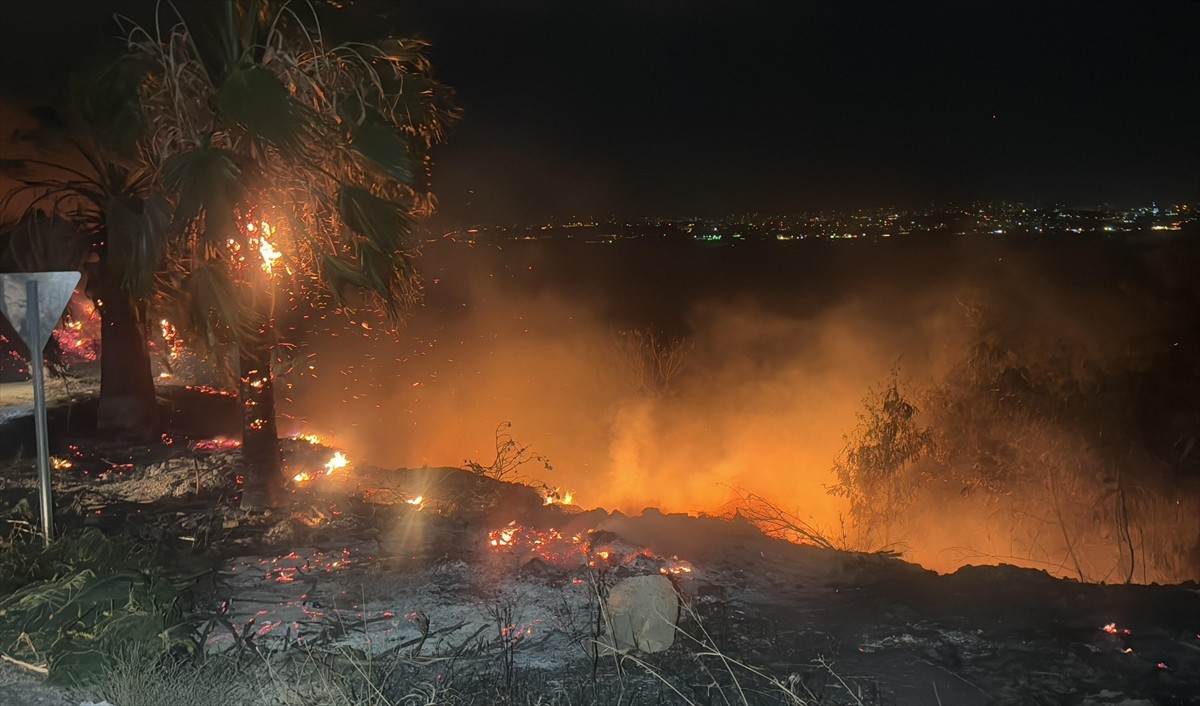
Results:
103 218
287 160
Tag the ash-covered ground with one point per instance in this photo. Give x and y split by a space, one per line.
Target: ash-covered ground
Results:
471 583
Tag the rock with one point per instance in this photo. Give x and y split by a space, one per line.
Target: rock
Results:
641 615
282 534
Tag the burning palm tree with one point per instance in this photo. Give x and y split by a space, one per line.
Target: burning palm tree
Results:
289 161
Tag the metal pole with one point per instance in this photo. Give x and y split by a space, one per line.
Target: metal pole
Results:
33 317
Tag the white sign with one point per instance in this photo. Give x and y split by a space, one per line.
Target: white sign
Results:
54 291
33 303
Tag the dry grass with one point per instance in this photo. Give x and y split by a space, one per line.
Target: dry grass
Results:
135 678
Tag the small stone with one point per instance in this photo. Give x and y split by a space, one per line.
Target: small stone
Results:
282 534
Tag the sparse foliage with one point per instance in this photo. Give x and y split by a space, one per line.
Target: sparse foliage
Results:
510 456
776 522
648 361
876 468
1029 447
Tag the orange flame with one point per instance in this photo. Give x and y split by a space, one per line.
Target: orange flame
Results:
555 496
336 462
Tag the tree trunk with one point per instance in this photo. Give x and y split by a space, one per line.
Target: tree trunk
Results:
128 408
263 475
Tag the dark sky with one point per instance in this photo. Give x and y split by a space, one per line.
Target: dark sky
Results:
674 108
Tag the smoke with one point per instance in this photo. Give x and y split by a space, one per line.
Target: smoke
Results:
763 399
778 359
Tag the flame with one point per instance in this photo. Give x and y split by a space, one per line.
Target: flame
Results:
268 252
335 462
339 460
60 463
502 537
555 496
171 337
258 234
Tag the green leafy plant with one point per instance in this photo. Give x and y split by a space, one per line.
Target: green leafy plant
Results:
73 605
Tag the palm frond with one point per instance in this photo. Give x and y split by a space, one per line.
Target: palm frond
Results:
384 224
405 52
206 181
41 242
109 101
384 149
420 104
211 304
136 229
377 269
341 275
255 99
388 277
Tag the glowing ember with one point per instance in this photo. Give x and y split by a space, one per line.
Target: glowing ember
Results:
310 438
553 546
209 390
220 443
1112 629
78 337
501 537
550 545
677 567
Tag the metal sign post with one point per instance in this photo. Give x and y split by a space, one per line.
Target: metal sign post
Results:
33 303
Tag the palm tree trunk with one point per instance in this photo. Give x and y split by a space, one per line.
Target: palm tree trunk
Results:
263 474
127 408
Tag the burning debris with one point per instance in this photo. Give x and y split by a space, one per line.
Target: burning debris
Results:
557 496
337 459
337 462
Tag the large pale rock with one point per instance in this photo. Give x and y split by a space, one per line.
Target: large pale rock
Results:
642 612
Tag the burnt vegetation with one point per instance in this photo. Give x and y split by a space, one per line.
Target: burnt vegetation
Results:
1042 439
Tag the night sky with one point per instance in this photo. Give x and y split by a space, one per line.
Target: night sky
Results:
709 108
